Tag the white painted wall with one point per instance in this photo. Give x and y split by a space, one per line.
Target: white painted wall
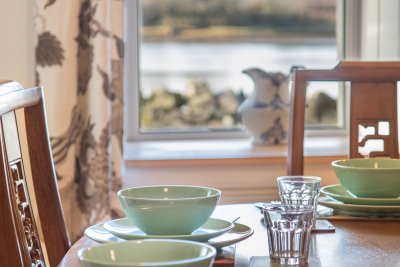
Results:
17 41
240 183
380 36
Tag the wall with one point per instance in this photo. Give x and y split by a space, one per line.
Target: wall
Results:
380 35
239 182
17 41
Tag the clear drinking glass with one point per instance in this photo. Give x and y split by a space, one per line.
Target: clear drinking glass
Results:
289 230
300 190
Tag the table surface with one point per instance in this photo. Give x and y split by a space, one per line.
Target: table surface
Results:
355 243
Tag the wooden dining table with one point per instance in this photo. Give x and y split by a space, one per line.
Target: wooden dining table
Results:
366 243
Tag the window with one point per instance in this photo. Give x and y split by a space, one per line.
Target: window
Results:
187 58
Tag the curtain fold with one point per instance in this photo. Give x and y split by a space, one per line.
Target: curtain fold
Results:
79 62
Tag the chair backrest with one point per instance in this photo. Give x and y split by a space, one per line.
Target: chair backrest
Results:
373 100
20 244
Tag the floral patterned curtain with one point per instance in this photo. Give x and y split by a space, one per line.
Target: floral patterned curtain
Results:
79 62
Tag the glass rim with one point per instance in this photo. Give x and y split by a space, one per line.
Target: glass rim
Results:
299 178
270 207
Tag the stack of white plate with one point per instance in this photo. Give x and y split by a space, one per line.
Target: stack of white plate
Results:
215 232
343 202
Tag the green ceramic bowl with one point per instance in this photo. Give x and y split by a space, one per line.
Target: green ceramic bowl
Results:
151 252
167 209
369 178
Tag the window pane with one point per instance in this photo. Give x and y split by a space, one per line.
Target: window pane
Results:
323 108
192 54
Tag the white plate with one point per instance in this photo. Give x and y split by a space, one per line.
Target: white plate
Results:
238 233
124 229
363 210
99 234
339 193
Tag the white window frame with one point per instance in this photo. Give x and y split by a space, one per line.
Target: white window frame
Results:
350 34
131 82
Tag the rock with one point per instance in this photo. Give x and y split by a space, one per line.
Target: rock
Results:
321 109
197 106
163 99
227 102
200 103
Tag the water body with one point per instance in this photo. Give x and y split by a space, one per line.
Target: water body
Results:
173 65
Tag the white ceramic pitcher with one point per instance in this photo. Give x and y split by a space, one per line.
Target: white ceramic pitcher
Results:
265 113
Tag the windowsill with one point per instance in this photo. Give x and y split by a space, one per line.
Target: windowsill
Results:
231 151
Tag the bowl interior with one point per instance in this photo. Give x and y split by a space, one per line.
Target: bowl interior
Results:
169 192
147 253
369 163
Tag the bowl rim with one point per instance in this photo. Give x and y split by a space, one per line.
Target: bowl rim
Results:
216 193
211 253
288 208
335 163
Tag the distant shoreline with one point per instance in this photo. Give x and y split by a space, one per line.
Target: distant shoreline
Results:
220 34
274 40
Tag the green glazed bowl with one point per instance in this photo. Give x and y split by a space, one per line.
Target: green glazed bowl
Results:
169 209
151 252
369 178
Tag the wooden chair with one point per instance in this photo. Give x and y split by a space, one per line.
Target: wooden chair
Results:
20 244
373 100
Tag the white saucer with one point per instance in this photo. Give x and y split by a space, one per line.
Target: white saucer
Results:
124 229
238 233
